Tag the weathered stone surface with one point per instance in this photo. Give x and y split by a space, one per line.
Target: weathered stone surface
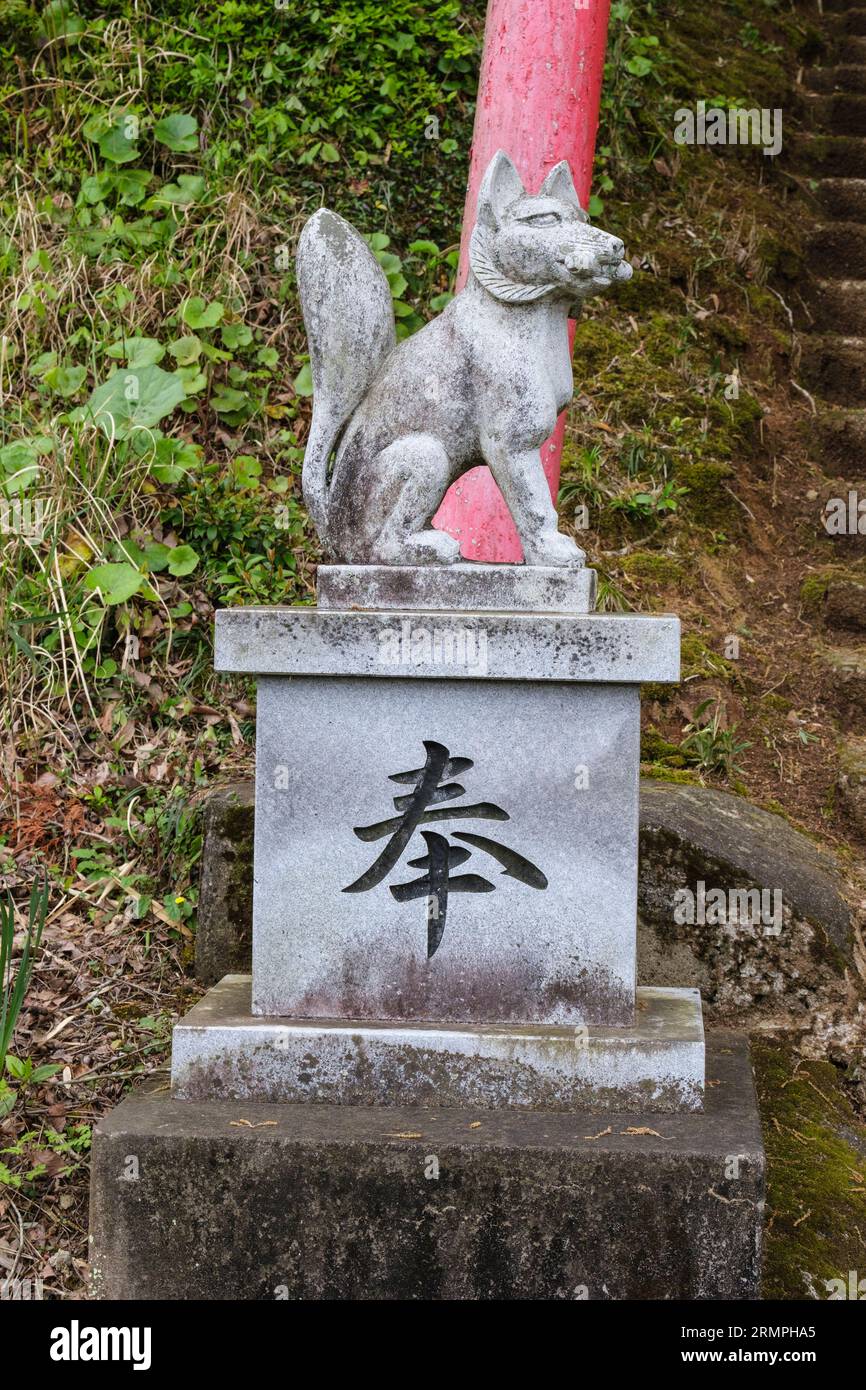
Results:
848 667
851 780
483 382
472 587
591 647
224 935
684 838
540 829
842 434
335 1202
845 605
815 1140
694 834
221 1051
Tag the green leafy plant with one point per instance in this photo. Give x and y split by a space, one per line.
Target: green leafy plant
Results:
750 37
644 506
710 746
28 1150
15 977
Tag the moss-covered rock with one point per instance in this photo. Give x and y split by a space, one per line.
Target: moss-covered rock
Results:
782 256
698 660
654 691
661 772
836 594
813 589
654 567
816 1158
655 749
709 500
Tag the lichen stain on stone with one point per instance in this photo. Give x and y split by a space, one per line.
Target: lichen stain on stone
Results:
503 993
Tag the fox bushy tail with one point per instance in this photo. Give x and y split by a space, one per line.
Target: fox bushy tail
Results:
346 303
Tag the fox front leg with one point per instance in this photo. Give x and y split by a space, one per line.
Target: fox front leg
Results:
521 480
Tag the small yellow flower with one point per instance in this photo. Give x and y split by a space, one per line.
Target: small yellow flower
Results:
180 900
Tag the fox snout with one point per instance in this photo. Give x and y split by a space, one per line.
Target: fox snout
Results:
596 255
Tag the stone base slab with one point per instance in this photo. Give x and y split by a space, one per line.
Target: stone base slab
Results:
222 1051
225 1200
439 588
455 645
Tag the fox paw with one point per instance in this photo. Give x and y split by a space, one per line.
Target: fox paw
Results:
553 548
429 548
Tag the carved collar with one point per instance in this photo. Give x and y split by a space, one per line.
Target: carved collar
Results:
499 285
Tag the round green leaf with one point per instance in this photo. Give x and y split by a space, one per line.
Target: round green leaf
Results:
185 350
182 560
138 352
303 382
116 582
116 145
65 380
178 132
197 314
135 398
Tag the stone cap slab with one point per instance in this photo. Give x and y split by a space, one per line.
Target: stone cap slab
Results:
480 588
620 648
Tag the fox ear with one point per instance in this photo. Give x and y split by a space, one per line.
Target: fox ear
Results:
560 184
500 187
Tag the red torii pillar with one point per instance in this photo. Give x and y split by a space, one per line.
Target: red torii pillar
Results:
538 99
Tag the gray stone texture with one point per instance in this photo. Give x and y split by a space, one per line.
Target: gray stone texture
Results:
246 1201
474 587
482 383
221 1051
224 921
561 952
686 833
592 647
806 974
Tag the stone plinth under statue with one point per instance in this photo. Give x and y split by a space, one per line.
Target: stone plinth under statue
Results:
381 1027
239 1200
471 939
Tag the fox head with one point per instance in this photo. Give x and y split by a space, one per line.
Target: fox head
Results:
526 246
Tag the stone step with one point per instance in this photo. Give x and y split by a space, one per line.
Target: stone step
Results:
847 666
837 306
844 607
851 48
842 442
843 113
844 199
834 247
828 156
835 367
849 21
845 78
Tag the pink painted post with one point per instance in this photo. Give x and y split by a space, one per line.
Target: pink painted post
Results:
538 99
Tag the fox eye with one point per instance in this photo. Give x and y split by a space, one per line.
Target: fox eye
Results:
543 219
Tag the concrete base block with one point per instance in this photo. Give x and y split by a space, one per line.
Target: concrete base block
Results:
439 588
242 1200
222 1051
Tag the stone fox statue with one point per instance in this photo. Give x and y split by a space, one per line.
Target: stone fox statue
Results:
394 425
